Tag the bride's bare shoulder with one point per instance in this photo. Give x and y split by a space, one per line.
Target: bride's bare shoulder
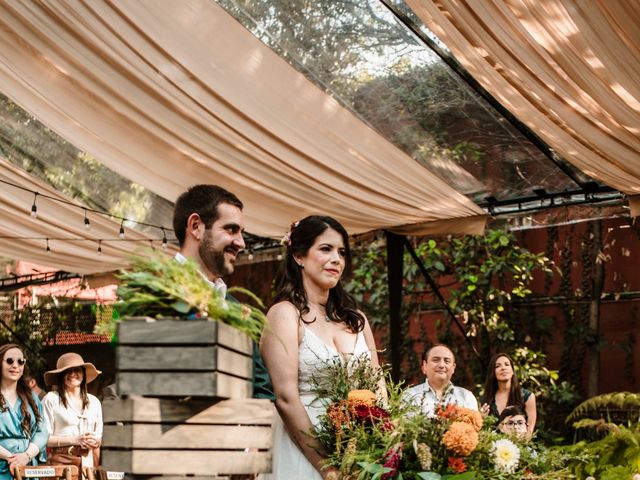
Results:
283 310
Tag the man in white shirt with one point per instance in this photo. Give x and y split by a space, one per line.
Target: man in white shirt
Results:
208 223
438 366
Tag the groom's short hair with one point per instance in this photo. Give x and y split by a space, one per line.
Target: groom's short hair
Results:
425 355
203 200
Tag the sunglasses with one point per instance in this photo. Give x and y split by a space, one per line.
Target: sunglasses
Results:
19 361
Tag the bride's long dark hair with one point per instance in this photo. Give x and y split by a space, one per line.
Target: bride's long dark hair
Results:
340 307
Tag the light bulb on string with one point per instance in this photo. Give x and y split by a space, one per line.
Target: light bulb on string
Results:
87 223
250 255
99 247
121 234
34 207
164 238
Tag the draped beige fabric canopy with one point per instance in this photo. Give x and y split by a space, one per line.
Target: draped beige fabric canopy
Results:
170 94
63 224
569 70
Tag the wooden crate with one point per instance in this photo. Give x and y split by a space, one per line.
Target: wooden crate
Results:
180 358
151 436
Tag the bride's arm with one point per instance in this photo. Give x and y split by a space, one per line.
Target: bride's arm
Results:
279 347
371 344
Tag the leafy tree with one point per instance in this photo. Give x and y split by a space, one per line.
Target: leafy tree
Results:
480 277
30 145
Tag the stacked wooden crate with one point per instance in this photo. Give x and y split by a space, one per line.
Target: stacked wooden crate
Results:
186 406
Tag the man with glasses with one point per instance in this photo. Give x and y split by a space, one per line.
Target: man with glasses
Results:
208 223
513 422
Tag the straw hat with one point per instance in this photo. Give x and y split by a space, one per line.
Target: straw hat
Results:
71 360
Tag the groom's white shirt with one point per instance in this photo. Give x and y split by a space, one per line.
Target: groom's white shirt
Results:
218 285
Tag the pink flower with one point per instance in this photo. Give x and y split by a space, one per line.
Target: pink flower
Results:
392 460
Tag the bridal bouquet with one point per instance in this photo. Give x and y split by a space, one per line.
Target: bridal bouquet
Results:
372 434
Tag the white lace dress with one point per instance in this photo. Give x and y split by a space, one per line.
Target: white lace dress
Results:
288 461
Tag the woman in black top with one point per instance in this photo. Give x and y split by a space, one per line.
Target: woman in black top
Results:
502 389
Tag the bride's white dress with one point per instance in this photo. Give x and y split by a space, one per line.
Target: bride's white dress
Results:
288 461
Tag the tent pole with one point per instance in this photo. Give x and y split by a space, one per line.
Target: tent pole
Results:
436 292
395 259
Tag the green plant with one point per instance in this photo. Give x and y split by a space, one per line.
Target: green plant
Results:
158 286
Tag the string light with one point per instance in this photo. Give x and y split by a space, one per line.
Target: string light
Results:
99 247
250 255
121 234
87 223
48 249
164 239
34 208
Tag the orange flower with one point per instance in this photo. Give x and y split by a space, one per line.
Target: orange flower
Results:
338 413
462 414
461 438
366 397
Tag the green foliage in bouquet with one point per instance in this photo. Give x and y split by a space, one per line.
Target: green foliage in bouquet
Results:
158 286
371 436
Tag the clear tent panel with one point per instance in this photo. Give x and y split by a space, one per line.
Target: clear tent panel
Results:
32 146
376 66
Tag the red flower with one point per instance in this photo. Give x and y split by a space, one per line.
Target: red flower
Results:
392 460
457 464
370 413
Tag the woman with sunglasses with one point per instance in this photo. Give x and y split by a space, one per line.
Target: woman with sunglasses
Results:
23 434
74 416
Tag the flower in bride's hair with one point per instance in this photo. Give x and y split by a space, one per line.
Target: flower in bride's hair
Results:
364 397
286 239
461 438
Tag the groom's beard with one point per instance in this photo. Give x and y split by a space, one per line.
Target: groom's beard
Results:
213 258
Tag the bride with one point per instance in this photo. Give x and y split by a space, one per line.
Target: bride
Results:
312 321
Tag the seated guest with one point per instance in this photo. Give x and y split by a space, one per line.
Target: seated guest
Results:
23 433
502 388
438 366
513 422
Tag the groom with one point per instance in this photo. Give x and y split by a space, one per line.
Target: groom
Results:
208 223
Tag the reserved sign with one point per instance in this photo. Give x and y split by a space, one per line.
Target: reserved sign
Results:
115 475
39 472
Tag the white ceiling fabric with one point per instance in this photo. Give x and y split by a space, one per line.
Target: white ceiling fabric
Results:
171 94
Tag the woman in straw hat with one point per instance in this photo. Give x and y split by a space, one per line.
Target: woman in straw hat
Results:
23 434
73 416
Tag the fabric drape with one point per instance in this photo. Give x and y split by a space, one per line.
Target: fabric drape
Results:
568 69
171 94
58 220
